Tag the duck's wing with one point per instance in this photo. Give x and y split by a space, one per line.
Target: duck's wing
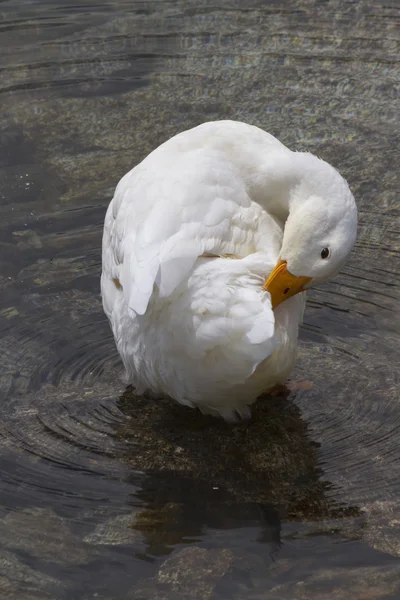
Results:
167 212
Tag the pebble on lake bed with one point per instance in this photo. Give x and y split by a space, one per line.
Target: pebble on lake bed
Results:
363 583
44 535
15 576
190 574
114 532
382 528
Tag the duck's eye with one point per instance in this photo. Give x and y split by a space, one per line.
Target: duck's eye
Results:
325 252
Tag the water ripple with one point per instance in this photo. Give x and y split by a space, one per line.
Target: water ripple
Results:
98 484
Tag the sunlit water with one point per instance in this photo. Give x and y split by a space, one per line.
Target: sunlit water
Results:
108 496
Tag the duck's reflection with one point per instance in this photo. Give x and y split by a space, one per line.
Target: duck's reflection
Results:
182 510
206 480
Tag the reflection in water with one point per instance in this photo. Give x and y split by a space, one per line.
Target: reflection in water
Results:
270 459
105 497
180 510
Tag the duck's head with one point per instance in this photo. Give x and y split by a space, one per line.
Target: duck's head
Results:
319 233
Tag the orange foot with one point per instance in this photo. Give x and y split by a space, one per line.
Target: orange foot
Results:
278 390
295 386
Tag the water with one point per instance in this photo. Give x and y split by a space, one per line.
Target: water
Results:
110 497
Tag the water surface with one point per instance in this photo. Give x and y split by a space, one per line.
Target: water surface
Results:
108 496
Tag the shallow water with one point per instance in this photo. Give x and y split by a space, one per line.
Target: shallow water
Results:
104 495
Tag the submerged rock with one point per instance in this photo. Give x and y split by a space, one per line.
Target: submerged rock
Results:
42 534
190 574
18 581
363 583
382 527
114 532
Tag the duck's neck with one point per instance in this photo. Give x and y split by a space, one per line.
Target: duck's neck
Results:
284 181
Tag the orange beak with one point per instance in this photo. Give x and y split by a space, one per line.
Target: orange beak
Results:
283 285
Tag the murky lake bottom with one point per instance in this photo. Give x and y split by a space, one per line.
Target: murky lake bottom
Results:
104 495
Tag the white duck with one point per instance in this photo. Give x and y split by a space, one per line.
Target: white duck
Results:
202 242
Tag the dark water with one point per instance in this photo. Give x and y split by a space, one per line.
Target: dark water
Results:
110 497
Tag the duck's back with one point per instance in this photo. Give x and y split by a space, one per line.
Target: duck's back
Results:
236 140
188 197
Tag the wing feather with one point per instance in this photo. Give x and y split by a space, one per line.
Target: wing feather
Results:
161 221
